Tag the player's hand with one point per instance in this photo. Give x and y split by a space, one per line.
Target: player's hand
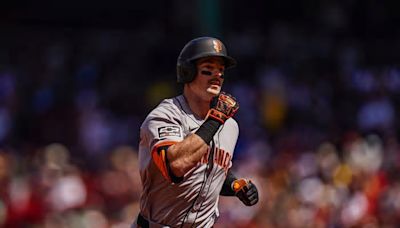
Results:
246 191
222 107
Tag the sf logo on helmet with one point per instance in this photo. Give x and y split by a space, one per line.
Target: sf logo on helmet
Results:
217 45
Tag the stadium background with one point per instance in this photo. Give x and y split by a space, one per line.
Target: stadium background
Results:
318 83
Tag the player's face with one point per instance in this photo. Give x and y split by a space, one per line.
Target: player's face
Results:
209 78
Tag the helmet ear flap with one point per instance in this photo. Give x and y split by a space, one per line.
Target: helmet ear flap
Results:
186 71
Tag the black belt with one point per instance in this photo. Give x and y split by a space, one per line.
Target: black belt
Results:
142 222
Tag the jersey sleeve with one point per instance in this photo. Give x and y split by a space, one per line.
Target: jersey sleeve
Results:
161 131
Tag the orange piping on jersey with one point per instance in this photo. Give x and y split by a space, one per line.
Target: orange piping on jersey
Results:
159 158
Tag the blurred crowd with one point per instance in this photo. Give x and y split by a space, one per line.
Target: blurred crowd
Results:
319 96
47 190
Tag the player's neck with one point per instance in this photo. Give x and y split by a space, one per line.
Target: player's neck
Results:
198 105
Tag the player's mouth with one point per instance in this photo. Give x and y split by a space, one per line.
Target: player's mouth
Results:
214 86
215 82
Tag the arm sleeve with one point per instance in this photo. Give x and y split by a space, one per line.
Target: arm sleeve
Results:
227 186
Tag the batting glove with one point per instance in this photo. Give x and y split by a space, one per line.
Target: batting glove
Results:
246 191
222 107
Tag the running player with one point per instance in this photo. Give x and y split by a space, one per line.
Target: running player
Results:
187 143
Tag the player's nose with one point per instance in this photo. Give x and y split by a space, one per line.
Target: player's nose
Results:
220 75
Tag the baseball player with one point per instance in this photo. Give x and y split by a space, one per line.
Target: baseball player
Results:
187 143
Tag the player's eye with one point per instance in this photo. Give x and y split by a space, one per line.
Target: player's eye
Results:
206 72
210 73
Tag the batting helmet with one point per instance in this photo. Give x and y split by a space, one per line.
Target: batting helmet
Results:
199 48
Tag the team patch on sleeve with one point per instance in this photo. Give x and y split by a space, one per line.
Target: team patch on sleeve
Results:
169 131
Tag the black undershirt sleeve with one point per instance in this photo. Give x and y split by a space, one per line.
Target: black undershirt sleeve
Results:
174 178
227 186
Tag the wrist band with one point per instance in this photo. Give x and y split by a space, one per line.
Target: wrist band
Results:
208 129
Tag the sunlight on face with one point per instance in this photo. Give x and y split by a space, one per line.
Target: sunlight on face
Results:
209 78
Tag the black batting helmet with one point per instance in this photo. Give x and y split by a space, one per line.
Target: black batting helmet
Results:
199 48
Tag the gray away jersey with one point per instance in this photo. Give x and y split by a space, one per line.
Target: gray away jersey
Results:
193 201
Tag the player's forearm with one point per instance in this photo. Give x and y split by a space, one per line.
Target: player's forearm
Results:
186 154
